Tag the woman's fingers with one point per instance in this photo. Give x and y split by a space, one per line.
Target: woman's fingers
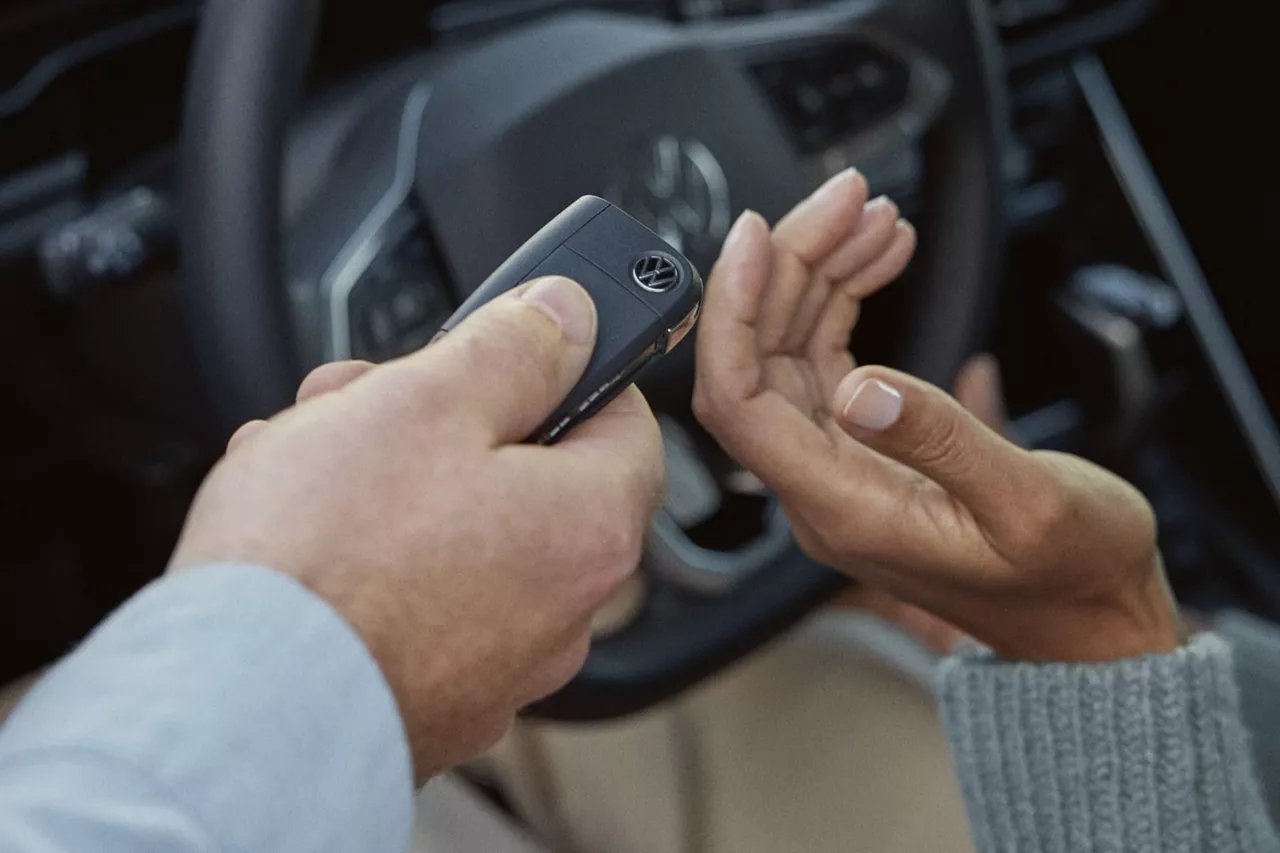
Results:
728 358
888 265
758 426
823 221
874 234
803 241
827 347
867 242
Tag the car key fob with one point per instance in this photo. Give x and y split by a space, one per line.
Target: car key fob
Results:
647 298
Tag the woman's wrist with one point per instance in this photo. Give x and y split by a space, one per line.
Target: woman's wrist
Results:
1137 622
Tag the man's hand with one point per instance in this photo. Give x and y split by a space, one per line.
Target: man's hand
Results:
1039 555
469 563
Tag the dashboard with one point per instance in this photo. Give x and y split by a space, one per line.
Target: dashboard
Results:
90 95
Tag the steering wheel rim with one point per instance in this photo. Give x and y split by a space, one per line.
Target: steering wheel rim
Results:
245 79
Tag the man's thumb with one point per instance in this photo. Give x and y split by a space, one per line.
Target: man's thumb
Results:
924 428
513 362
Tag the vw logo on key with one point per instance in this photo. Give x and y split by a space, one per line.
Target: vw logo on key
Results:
656 272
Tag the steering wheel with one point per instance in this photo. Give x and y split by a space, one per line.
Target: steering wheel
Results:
449 160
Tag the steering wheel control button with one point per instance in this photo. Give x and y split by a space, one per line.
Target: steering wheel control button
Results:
656 272
641 288
836 91
399 303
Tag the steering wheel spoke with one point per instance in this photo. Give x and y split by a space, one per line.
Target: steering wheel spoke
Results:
364 279
849 93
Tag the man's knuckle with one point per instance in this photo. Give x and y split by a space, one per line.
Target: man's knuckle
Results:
562 668
619 545
612 538
649 475
407 391
637 468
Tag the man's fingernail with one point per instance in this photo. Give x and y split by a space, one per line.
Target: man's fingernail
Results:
874 405
734 237
565 301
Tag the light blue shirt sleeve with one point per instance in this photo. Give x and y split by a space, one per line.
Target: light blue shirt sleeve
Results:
224 709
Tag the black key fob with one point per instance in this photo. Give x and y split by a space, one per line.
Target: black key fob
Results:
647 297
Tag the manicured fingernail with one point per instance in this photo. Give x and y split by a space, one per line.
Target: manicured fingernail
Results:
834 186
564 301
877 203
874 406
736 232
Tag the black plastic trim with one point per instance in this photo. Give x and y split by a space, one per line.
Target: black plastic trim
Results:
53 65
1173 252
1088 31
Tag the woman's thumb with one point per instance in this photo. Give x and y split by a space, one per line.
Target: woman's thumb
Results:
924 428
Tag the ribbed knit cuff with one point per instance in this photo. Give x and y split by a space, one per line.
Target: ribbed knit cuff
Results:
1255 645
1148 754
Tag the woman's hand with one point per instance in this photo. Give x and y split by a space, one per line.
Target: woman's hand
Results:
1042 556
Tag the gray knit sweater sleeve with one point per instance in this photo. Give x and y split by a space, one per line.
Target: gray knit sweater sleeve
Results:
1140 755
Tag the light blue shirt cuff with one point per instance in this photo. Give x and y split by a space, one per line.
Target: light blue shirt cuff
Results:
226 708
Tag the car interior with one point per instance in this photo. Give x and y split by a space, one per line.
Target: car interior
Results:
201 201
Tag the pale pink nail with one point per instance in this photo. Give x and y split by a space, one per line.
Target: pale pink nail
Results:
877 203
735 233
874 406
834 185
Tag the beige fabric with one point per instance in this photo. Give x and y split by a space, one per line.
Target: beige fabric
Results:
452 818
815 745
